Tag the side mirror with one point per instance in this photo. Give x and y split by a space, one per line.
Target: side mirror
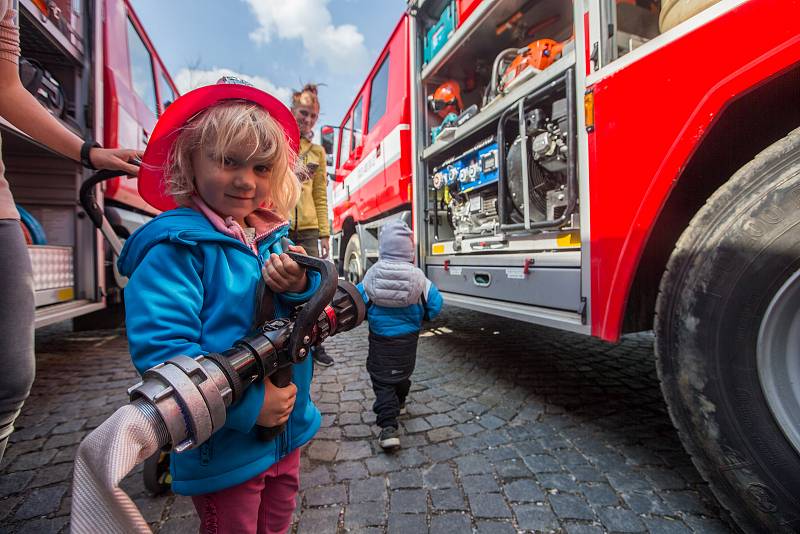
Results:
328 137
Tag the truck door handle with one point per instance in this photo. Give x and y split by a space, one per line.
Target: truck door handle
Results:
378 150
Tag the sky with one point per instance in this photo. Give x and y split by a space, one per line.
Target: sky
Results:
278 45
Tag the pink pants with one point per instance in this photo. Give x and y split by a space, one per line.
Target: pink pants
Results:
262 505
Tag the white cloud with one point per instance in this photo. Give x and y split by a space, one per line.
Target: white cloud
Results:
341 47
188 79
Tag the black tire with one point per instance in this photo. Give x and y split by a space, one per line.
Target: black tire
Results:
155 472
738 252
353 265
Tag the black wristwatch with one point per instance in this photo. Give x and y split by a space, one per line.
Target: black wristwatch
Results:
86 147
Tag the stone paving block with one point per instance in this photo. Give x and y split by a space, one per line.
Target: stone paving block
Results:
443 434
182 507
438 420
583 528
523 491
15 482
368 490
418 424
511 469
495 527
349 471
180 525
406 523
439 476
535 517
542 463
357 431
7 505
440 452
383 463
353 450
479 484
488 505
599 494
620 520
410 457
318 476
570 507
408 501
32 460
326 495
321 450
51 475
319 520
152 508
450 523
663 525
406 479
448 499
40 502
560 482
645 503
472 464
46 526
490 422
685 501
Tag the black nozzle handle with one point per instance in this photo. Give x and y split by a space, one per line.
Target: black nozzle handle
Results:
300 340
87 198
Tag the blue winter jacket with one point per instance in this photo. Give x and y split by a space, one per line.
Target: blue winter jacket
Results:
391 322
192 291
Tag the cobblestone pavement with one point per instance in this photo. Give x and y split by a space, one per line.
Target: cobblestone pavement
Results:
511 428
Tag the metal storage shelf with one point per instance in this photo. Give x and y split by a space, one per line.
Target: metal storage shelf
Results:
459 37
68 45
495 108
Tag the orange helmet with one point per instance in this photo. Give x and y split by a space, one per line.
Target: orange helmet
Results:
446 99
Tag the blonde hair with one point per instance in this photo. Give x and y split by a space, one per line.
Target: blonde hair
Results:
307 96
227 126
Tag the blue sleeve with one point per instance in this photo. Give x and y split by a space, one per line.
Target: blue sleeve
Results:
163 300
433 302
361 290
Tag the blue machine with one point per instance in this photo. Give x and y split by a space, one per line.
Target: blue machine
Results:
475 168
440 32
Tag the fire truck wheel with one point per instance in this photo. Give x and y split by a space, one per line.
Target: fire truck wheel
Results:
728 340
353 263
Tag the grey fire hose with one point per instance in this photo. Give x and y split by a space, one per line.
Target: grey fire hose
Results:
181 402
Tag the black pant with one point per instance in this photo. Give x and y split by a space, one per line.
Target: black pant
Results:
390 364
388 399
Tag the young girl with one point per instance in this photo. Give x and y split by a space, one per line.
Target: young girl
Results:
223 154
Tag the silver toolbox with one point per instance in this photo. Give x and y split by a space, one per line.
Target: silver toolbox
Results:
557 288
53 273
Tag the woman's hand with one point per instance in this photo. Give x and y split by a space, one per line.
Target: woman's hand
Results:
282 273
116 159
278 404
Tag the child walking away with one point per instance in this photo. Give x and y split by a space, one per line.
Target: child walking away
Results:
219 164
399 297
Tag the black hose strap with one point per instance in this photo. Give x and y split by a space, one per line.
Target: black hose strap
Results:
230 373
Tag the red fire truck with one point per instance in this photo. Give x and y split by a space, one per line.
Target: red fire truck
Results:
607 167
93 66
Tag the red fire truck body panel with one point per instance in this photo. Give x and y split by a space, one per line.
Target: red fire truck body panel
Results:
128 119
650 116
376 178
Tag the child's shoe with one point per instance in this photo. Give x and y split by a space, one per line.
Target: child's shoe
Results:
388 438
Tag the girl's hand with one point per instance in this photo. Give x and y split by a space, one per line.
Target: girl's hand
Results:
282 273
116 159
278 404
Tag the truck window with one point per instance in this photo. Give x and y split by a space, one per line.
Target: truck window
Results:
378 94
141 68
358 121
344 145
167 94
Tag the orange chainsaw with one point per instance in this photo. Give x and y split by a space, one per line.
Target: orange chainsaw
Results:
530 60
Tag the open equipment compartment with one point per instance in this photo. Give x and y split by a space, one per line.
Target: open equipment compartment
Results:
501 191
46 184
